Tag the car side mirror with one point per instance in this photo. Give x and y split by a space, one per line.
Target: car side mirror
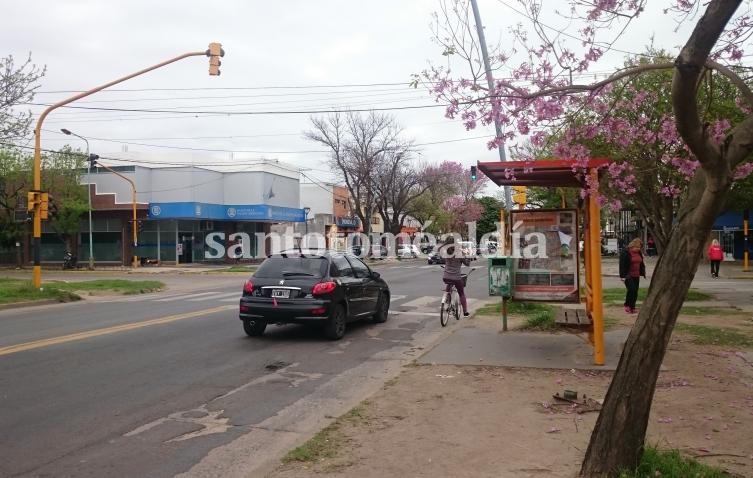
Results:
375 275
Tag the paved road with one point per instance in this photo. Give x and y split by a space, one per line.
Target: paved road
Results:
163 384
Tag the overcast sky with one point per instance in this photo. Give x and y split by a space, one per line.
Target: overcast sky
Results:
293 55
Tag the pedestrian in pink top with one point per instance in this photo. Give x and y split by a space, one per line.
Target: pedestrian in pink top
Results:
716 255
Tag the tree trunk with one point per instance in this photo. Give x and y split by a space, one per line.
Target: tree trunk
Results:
618 437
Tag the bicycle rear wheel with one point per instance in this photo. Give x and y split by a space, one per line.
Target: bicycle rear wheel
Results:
444 312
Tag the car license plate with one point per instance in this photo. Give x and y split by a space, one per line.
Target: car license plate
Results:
281 293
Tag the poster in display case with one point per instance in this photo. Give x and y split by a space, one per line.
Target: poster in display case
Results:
545 245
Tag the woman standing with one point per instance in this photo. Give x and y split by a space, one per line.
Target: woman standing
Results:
631 270
716 255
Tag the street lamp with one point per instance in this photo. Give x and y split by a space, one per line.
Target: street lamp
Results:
88 193
306 211
94 157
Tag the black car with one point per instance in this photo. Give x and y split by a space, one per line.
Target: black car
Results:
435 257
304 286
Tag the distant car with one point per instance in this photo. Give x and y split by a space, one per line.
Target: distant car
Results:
379 252
408 250
469 249
322 287
435 257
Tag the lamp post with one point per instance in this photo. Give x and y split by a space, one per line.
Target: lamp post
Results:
133 201
88 193
306 211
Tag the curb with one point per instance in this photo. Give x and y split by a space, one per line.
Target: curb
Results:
31 303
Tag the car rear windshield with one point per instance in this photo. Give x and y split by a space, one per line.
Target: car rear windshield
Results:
292 267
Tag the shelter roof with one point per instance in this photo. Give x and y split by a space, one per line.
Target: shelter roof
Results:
549 173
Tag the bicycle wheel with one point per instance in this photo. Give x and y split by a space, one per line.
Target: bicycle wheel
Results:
444 311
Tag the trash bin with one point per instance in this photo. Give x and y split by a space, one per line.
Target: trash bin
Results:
500 276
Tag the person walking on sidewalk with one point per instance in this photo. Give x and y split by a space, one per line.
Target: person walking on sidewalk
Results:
452 273
632 268
716 255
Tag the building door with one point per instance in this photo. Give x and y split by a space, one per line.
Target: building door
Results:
728 245
185 255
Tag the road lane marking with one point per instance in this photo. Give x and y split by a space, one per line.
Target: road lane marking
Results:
216 296
183 296
10 349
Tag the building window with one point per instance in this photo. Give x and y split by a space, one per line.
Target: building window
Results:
374 220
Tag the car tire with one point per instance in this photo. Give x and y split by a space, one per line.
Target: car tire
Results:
335 328
254 328
383 308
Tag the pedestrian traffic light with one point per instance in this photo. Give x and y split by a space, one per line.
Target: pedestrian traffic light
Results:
215 52
44 204
473 173
519 196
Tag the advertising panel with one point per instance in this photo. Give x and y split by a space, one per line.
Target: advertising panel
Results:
545 245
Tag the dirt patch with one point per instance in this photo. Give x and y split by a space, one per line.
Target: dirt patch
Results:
442 420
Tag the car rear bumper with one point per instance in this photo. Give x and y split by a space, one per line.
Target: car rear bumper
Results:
281 311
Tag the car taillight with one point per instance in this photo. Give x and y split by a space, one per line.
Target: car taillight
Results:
323 288
248 287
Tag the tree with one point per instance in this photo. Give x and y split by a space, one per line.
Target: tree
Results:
17 87
639 135
542 89
68 199
398 184
14 174
490 216
359 149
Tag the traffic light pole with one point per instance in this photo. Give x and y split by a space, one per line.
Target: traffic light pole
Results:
37 179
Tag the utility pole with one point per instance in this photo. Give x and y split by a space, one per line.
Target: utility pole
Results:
490 82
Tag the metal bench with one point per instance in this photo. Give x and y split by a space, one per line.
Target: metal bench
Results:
572 315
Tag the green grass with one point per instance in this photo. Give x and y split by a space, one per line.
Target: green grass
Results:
121 286
617 294
236 269
655 463
322 445
538 316
705 335
15 290
710 311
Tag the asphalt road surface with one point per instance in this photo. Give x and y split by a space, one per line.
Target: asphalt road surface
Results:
164 384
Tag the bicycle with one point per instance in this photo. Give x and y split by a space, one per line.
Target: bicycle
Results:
451 301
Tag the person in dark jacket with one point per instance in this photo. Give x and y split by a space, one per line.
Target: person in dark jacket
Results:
452 273
632 268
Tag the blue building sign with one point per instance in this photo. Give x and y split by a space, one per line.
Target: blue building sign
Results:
219 212
347 221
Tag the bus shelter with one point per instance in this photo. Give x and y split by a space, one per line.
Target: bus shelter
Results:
588 313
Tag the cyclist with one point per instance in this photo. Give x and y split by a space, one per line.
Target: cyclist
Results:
452 268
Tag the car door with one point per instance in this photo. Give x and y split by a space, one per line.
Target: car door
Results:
369 287
352 287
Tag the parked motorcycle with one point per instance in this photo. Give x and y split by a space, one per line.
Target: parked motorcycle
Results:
69 260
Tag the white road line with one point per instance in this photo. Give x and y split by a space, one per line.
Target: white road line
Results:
183 296
215 296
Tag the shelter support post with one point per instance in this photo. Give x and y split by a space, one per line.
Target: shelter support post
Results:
503 248
594 299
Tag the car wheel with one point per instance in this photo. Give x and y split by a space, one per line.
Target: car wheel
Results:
335 328
383 308
254 328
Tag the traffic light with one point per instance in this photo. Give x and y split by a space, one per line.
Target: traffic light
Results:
473 173
519 196
215 52
31 200
44 204
93 159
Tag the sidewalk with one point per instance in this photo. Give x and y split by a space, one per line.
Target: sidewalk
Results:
479 402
